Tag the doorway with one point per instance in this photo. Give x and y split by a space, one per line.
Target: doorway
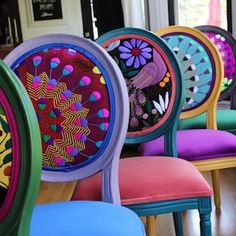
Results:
10 28
101 16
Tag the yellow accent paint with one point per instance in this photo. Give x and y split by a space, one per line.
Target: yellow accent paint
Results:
162 84
210 106
102 80
166 79
96 70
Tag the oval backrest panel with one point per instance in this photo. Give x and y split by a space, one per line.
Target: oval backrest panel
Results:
152 77
197 56
226 44
73 97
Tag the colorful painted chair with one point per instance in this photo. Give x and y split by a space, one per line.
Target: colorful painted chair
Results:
80 101
208 149
226 45
160 184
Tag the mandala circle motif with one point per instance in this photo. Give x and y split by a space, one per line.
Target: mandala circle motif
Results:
228 57
197 67
71 100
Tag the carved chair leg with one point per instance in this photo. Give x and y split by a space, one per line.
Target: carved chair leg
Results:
178 223
205 216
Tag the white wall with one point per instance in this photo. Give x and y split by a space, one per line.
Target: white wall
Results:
71 22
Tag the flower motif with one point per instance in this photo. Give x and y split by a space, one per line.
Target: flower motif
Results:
226 83
133 122
136 52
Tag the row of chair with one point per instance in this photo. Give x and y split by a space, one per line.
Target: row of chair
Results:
82 107
202 64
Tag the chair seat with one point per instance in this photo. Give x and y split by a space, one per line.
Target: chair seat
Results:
150 179
196 144
84 219
226 120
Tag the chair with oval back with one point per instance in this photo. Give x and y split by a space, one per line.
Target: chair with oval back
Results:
226 45
208 149
148 185
80 100
20 159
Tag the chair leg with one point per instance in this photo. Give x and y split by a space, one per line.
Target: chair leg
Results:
151 225
216 188
178 223
205 216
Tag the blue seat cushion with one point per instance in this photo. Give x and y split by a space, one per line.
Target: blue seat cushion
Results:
195 144
84 218
226 120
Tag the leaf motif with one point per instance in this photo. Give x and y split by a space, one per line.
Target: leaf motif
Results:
4 125
146 124
155 119
8 144
149 107
84 63
112 46
162 102
7 159
132 73
158 107
166 100
122 65
115 58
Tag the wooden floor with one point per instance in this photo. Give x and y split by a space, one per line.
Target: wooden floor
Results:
223 223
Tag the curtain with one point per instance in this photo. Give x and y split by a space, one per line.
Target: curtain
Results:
214 13
134 15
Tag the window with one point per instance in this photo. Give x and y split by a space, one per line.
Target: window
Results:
200 12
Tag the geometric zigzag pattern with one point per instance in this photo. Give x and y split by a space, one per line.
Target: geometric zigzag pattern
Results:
71 100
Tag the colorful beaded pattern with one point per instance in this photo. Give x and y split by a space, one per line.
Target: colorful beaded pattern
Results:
228 57
71 97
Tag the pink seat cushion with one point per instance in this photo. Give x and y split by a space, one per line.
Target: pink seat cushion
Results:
149 179
195 144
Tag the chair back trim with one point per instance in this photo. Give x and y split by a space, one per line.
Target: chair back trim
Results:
23 188
106 76
13 134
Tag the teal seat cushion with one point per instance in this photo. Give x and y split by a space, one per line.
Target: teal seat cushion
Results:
84 218
226 120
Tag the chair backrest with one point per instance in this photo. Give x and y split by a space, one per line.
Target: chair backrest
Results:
20 159
80 99
226 44
153 78
203 70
